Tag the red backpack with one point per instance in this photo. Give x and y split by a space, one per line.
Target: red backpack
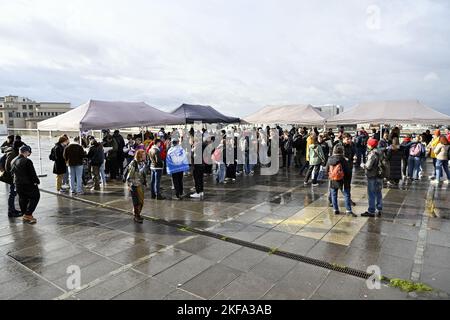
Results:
336 172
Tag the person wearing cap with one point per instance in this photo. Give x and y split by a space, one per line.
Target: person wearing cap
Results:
430 149
177 164
26 182
374 180
337 181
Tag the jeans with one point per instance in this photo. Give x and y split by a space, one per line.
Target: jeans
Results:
334 199
102 173
11 198
413 167
314 171
374 187
248 168
156 181
442 165
221 171
304 167
360 155
76 176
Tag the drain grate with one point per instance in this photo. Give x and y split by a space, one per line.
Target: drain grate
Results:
247 244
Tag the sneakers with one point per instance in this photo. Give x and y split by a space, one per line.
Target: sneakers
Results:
305 183
95 189
153 196
368 214
160 197
252 173
330 204
138 219
196 195
351 214
447 181
315 184
379 213
337 212
29 219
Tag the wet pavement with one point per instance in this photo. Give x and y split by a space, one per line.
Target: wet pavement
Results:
119 259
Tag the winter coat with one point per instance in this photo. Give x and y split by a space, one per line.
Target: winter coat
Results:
137 175
334 160
441 151
156 161
112 154
11 154
96 155
74 155
23 170
371 166
316 155
59 167
431 147
395 163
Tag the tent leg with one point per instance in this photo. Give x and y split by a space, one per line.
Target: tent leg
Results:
40 155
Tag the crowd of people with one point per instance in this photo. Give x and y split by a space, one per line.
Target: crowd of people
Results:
142 159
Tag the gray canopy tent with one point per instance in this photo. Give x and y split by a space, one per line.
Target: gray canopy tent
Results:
199 113
97 115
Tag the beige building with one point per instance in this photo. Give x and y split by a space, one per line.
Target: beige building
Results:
23 113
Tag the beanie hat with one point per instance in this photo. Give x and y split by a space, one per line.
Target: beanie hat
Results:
25 148
372 143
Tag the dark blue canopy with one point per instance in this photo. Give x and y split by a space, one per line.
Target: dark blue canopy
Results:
201 113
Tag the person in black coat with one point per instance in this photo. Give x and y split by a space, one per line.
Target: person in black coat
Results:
394 155
96 156
26 181
339 184
59 166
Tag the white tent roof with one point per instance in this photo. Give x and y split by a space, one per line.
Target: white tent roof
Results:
287 114
385 112
96 115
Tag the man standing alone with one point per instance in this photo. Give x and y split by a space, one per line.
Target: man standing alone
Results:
26 182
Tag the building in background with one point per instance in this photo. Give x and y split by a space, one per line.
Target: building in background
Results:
330 110
23 113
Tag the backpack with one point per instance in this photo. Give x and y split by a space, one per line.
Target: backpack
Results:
415 150
336 172
126 171
52 155
217 155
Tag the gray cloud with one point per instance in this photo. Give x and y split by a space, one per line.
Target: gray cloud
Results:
237 55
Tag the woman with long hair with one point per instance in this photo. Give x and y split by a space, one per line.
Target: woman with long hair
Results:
137 180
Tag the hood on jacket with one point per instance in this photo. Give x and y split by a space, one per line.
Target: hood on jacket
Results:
335 159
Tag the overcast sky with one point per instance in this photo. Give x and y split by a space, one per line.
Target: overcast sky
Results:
237 55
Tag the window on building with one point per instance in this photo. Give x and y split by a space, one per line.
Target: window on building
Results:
1 114
24 107
24 114
30 107
1 121
11 114
17 114
11 123
30 114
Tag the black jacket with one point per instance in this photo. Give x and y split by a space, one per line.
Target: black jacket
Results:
395 163
334 160
96 155
23 170
59 167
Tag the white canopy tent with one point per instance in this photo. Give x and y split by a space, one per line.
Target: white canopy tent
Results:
97 115
304 114
390 112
